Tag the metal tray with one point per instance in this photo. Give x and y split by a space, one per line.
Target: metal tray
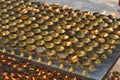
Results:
98 74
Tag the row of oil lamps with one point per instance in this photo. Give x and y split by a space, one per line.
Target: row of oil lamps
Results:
22 70
17 69
78 38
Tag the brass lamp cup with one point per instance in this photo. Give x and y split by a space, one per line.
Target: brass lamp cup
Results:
40 52
4 50
30 48
61 58
50 62
22 54
13 50
72 60
4 42
84 72
30 54
51 56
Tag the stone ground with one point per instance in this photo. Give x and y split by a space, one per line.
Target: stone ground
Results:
116 67
103 6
